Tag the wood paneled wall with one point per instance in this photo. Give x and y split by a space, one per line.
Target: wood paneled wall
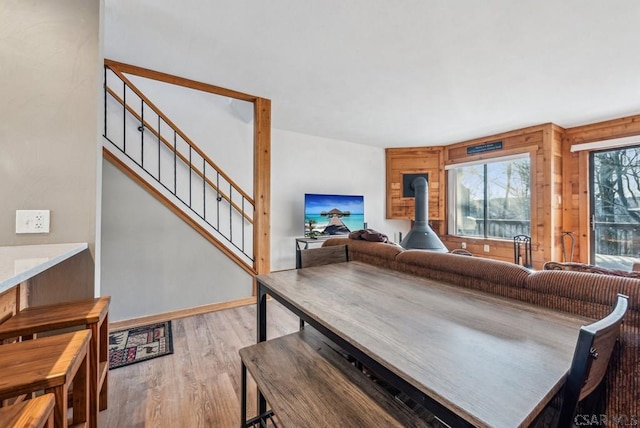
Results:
544 145
418 160
554 199
576 177
560 185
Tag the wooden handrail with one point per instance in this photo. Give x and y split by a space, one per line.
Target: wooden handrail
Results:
113 66
177 211
181 81
182 157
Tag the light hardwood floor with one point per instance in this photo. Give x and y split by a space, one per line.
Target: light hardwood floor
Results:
199 385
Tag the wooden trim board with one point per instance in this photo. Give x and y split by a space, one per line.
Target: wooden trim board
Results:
181 313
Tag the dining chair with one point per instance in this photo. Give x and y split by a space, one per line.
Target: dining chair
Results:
590 360
311 257
461 252
321 256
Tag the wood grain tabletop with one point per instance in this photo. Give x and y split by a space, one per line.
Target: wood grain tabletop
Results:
493 361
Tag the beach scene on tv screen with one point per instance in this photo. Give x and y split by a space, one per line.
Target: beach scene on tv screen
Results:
333 214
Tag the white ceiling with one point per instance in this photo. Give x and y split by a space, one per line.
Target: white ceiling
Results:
393 73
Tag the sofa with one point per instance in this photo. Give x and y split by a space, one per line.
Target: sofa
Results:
583 293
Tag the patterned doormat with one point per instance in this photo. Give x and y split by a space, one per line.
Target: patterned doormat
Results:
137 344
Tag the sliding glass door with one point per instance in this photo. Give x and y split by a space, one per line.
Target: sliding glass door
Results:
615 207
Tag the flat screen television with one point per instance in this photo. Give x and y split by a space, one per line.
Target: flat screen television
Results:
333 214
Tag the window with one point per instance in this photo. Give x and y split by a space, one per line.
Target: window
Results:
615 207
490 199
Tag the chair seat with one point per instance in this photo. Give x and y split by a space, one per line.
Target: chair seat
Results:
39 319
51 364
34 413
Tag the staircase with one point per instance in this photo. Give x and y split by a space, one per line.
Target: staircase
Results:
147 146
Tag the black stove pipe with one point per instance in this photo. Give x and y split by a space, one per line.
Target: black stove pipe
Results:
421 236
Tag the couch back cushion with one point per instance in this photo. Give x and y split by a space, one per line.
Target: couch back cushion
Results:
374 253
494 276
589 294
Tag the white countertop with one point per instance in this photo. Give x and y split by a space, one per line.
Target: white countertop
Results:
21 262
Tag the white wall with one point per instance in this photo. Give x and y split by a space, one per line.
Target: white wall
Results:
153 262
306 164
50 78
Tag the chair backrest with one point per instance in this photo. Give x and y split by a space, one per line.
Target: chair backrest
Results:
461 252
590 359
322 256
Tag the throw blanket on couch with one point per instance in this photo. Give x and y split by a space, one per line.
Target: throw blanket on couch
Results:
369 235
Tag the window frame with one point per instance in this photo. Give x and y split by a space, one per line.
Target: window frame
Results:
452 191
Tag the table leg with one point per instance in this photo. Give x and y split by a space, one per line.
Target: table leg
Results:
243 397
81 396
60 410
94 374
262 313
262 336
103 357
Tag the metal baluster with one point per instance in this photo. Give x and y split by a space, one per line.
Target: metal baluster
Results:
159 143
141 129
175 166
105 102
230 213
218 199
242 219
124 117
204 188
190 205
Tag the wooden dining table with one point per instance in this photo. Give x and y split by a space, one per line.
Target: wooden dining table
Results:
472 358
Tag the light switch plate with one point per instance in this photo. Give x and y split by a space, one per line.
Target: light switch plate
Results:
32 221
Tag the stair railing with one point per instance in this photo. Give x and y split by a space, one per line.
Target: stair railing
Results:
173 161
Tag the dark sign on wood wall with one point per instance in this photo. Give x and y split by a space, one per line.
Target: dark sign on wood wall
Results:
486 147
